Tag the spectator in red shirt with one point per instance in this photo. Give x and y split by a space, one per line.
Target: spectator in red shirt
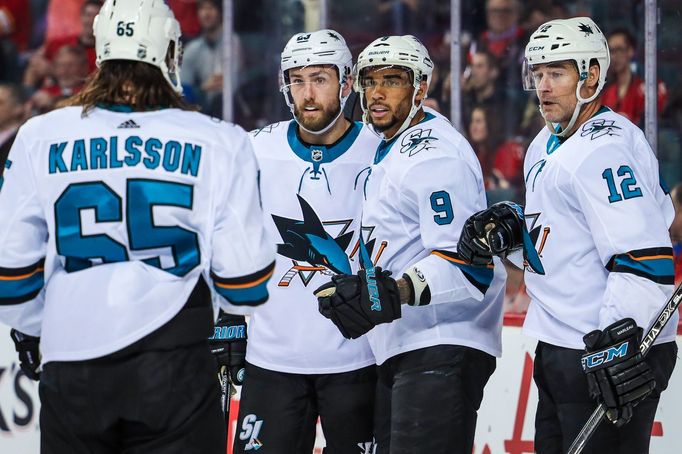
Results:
85 39
625 90
15 22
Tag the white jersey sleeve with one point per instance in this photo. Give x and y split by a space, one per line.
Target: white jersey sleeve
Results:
628 216
242 261
23 241
445 191
127 211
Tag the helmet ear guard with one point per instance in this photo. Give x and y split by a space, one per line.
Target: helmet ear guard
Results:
140 30
322 47
577 39
401 51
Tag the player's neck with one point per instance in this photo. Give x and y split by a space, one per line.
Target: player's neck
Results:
330 137
586 112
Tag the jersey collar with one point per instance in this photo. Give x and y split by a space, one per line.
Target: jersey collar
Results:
386 145
555 142
321 154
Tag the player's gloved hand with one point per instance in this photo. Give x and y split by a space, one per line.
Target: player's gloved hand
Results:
497 230
357 303
228 345
29 353
617 373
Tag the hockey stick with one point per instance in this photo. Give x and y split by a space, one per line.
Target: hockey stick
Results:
225 394
648 340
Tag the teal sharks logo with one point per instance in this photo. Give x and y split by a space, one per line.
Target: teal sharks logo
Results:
306 240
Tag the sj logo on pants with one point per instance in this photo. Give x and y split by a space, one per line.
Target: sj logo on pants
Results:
251 426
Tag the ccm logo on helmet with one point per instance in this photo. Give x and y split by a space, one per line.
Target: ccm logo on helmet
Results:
532 49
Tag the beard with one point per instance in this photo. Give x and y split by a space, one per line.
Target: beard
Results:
325 116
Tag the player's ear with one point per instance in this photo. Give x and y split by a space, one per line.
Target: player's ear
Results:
593 76
421 92
347 85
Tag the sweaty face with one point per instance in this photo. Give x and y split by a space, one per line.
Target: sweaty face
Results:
555 86
388 94
315 94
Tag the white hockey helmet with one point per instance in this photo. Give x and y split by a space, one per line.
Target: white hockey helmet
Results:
403 51
578 39
139 30
323 47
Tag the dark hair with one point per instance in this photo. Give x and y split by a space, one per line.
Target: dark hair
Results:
627 34
17 93
134 83
490 57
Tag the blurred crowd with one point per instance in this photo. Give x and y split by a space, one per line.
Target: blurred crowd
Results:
47 51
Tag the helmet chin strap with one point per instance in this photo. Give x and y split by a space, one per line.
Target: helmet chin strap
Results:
581 101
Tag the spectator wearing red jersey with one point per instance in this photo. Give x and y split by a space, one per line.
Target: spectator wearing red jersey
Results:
85 38
186 13
625 90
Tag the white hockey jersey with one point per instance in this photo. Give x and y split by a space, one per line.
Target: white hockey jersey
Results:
312 206
109 220
598 217
422 187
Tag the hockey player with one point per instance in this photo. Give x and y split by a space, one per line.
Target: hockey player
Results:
438 320
118 213
298 365
598 258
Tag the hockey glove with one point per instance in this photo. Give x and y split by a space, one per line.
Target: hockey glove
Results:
357 303
617 374
497 230
228 345
29 353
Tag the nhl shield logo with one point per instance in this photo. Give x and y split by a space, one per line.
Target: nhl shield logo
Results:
316 155
142 52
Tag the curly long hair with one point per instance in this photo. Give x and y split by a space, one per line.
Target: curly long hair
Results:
133 83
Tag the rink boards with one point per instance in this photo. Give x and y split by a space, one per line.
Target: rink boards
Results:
505 423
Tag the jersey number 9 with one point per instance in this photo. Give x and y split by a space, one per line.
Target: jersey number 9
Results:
441 204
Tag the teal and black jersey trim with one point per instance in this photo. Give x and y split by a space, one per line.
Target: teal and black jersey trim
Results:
18 285
250 290
322 154
655 264
480 276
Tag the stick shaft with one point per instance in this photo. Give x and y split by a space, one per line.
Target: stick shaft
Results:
647 342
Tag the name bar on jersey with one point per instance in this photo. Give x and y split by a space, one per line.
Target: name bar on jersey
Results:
104 153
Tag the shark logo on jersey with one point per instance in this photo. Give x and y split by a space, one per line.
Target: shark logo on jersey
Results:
416 141
532 251
535 171
265 129
307 240
599 128
364 254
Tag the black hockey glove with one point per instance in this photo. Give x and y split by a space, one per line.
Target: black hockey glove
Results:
617 373
228 345
497 230
29 353
357 303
